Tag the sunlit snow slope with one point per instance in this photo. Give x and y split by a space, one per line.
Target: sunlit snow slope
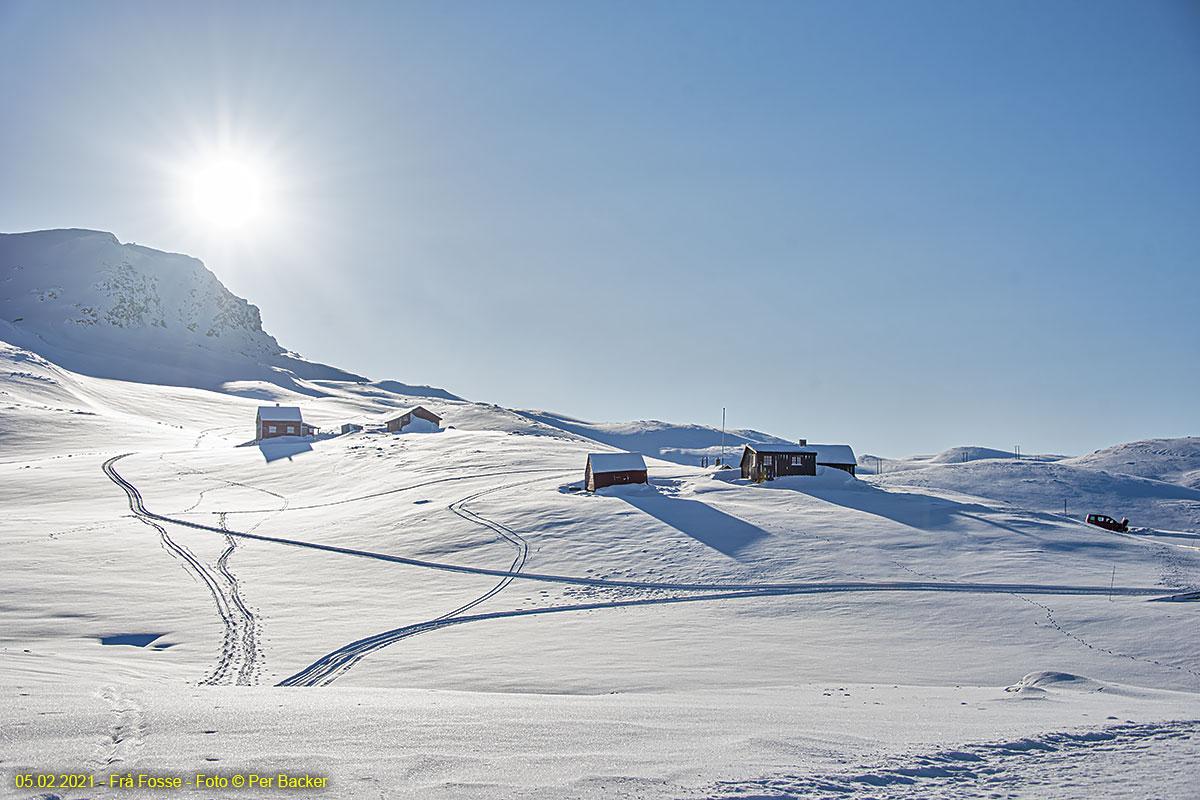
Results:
446 615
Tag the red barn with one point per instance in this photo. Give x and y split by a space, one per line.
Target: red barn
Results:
611 469
278 420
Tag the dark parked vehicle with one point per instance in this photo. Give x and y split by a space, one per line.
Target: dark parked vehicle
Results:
1108 523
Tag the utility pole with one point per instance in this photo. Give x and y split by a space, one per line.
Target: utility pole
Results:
722 435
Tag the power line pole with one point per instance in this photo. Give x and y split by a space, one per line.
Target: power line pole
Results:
722 435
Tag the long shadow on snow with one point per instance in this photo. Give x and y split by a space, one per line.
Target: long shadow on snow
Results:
920 511
276 450
716 529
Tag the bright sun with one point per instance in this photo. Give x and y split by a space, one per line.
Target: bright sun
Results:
227 192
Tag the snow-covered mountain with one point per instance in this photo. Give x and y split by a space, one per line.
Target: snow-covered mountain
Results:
86 302
99 307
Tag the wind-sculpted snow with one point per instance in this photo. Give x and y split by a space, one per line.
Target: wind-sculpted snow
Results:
1168 460
1090 761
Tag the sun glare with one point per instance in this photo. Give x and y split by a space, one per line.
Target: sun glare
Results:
227 192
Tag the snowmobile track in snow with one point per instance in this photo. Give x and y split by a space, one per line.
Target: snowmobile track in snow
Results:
316 672
813 587
326 669
236 618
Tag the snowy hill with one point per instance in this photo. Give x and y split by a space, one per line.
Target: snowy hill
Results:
483 629
956 455
1043 487
871 464
1169 460
682 444
102 308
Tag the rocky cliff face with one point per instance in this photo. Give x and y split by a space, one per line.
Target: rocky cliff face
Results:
88 302
69 286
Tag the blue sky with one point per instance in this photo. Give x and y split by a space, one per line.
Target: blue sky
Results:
905 226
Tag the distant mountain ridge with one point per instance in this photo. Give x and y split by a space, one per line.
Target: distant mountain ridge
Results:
683 444
1170 460
103 308
92 305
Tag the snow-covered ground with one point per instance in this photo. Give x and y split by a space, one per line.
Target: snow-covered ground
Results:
446 615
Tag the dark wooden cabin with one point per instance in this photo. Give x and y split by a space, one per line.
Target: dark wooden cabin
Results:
398 422
612 469
769 461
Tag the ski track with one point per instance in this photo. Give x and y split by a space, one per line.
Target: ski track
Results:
232 636
247 625
795 588
398 489
1028 767
328 668
305 676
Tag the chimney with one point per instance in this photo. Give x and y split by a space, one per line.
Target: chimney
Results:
804 442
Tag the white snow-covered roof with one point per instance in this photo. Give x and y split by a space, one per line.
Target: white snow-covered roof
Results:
780 448
833 453
826 453
616 462
279 413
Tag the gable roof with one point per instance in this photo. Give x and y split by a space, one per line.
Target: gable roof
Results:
826 453
616 462
833 453
780 448
279 413
397 413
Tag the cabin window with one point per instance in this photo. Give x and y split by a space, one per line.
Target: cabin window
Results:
797 461
270 429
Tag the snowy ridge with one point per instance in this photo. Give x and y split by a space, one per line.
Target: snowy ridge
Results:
1044 486
102 308
1169 460
955 455
682 444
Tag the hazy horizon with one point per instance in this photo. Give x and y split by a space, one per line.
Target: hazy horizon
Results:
902 227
